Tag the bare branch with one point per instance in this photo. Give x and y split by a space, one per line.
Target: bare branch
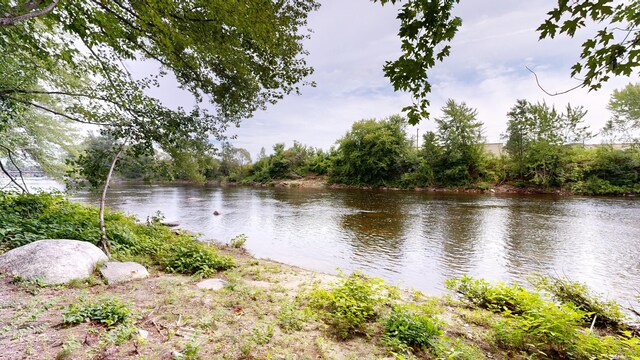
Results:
51 110
554 94
6 21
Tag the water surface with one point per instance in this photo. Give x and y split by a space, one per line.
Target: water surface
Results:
412 238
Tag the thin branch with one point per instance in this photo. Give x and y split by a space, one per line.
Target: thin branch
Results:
16 166
52 111
15 19
42 92
557 93
13 180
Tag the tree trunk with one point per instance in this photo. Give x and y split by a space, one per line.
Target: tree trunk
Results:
103 229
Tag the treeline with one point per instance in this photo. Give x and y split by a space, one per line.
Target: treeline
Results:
543 149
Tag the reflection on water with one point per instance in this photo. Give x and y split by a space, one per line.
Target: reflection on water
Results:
414 239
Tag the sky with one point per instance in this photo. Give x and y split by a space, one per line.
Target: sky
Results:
352 39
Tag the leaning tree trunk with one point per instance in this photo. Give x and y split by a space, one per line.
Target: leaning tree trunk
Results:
103 229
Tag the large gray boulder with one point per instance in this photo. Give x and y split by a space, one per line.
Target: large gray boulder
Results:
52 261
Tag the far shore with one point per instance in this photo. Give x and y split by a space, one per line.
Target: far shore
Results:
320 182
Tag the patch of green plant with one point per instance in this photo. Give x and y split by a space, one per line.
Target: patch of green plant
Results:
605 313
546 328
590 346
262 336
447 348
30 217
349 305
31 286
108 312
68 347
191 257
238 241
191 351
498 297
119 334
290 318
407 329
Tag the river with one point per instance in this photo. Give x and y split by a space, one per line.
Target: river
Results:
413 239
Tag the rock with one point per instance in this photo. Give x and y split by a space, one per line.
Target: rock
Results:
115 272
170 224
143 333
211 284
216 213
52 261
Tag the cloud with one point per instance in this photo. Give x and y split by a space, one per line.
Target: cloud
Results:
352 40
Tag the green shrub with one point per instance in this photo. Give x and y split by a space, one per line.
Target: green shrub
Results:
546 328
108 312
238 241
405 329
446 348
607 313
589 346
350 305
290 318
29 217
499 298
192 257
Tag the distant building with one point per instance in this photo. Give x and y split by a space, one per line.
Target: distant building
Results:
497 149
494 149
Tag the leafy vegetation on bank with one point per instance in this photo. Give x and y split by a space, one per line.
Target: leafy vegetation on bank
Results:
533 324
30 217
543 150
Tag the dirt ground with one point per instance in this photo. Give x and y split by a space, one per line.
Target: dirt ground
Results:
248 319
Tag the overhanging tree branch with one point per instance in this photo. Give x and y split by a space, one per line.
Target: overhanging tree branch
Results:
38 106
7 21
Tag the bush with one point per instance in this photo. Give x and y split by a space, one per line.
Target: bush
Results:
540 327
546 328
350 305
499 298
31 217
109 312
238 241
191 257
405 329
606 313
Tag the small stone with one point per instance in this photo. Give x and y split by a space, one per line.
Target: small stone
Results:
175 354
211 284
115 272
143 333
216 213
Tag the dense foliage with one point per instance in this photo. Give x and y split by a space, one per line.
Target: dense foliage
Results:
26 218
427 28
532 324
374 153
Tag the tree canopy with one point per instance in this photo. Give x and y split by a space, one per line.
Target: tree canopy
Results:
427 28
68 60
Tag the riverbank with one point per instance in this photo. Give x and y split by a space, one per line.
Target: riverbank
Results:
269 310
260 309
319 182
